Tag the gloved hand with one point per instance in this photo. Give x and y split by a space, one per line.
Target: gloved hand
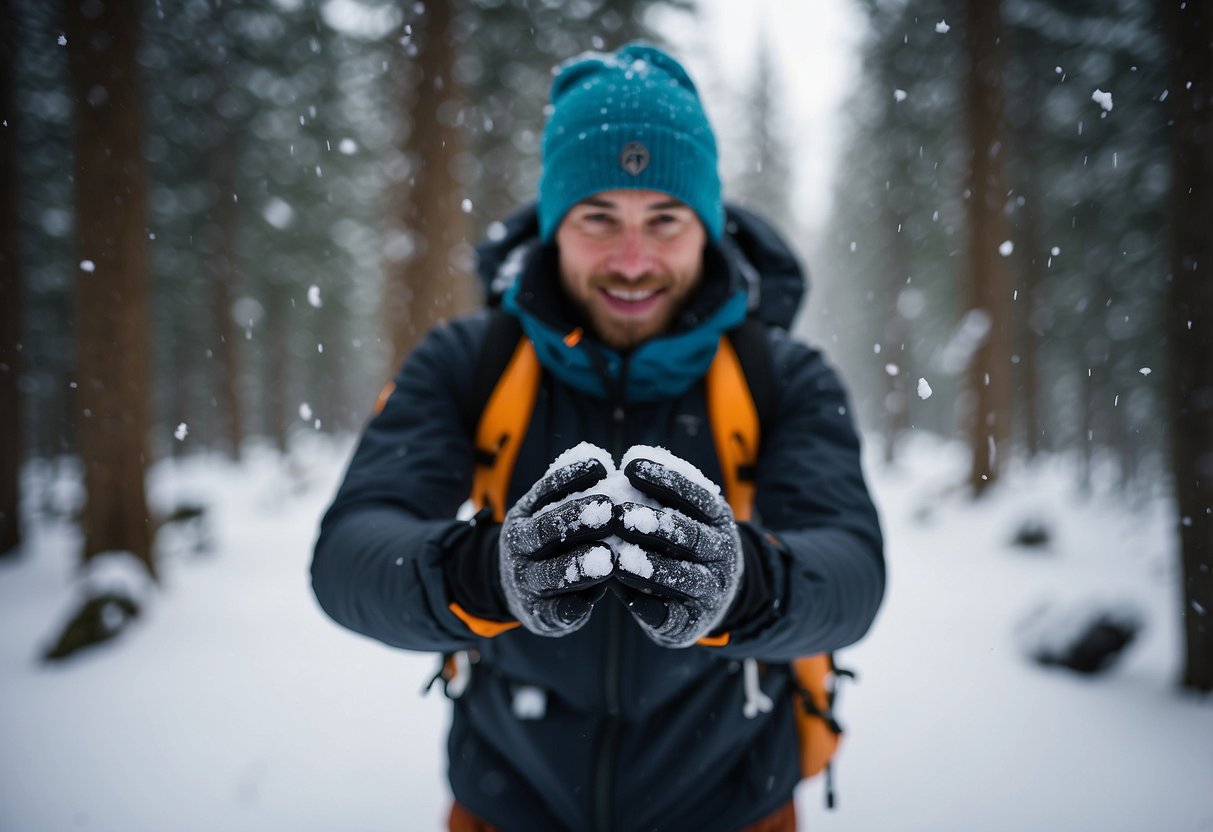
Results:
554 565
681 562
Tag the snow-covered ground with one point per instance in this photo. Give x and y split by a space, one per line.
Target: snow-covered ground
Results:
234 704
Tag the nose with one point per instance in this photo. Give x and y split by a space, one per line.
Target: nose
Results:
631 258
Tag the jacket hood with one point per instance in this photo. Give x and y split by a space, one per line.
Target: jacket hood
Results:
759 260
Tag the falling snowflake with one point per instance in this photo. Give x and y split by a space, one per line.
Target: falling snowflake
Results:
900 95
1145 371
181 432
313 297
305 411
1006 248
942 27
1103 99
88 266
924 389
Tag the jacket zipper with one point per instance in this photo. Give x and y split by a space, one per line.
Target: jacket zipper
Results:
608 748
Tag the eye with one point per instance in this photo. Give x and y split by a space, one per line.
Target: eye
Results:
598 222
666 225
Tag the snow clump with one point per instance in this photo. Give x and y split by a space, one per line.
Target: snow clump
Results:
616 487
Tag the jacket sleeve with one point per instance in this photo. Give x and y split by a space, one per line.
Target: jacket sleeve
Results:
378 563
815 536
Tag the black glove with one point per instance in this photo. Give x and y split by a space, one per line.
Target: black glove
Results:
681 562
554 565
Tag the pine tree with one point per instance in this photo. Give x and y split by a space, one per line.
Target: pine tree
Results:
988 274
113 317
428 264
763 179
1189 327
11 298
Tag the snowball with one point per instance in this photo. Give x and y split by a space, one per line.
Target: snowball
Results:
924 389
579 452
663 457
615 486
1103 99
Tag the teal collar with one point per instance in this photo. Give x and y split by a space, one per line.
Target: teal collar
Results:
662 368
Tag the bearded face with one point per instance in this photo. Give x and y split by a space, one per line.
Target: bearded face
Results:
630 260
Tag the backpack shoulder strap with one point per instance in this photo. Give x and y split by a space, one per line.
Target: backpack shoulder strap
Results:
500 338
507 384
739 394
754 353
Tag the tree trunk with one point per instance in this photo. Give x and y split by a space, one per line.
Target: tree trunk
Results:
989 277
1189 326
1031 315
895 332
11 297
428 262
113 315
221 264
277 357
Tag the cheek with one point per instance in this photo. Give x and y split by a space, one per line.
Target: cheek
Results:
687 266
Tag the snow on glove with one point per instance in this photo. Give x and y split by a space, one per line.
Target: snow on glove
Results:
554 565
681 562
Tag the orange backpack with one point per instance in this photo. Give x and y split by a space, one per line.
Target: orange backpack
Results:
734 416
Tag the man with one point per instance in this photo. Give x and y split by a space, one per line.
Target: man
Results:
595 701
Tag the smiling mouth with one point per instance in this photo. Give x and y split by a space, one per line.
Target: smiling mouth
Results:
631 295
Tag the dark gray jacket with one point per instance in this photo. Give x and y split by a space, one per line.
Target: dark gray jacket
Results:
631 736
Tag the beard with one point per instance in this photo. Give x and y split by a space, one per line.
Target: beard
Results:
624 324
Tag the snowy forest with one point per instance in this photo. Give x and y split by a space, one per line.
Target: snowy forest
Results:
224 224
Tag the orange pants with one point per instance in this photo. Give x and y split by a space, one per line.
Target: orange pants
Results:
782 819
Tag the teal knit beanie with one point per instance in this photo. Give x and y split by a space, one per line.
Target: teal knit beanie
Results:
631 119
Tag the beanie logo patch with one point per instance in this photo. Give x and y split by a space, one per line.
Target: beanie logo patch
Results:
634 158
